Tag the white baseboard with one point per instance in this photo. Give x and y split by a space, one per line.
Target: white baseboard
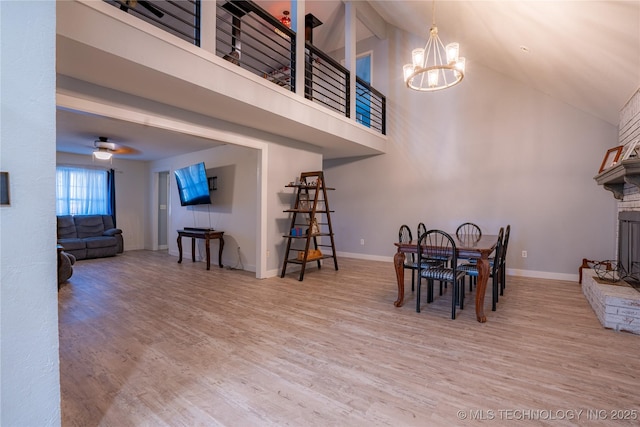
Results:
364 256
543 275
272 273
510 271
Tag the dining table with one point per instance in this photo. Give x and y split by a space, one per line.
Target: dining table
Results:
467 247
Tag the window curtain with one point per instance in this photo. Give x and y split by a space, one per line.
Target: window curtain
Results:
81 191
111 194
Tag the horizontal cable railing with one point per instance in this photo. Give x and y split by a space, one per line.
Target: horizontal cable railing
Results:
250 37
371 107
180 17
326 82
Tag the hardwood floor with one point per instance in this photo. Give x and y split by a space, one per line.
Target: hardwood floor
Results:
145 341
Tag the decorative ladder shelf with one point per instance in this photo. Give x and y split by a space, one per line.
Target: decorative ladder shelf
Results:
311 205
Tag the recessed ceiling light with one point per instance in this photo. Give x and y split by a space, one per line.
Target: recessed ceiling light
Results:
524 49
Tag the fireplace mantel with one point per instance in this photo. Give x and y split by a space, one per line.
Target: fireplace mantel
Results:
614 178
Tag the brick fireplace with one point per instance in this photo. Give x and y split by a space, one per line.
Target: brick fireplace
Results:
623 180
617 305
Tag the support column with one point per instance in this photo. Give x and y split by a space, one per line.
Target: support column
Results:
350 52
297 23
208 11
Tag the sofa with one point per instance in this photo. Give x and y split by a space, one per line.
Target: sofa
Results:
89 236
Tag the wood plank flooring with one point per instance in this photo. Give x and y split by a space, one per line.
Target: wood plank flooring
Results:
145 341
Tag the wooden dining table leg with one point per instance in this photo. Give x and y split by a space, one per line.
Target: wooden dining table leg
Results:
483 278
398 262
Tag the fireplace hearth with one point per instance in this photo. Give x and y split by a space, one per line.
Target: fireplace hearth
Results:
616 304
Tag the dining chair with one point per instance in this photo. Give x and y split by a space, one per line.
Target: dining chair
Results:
421 229
503 260
438 245
469 230
495 270
404 236
431 262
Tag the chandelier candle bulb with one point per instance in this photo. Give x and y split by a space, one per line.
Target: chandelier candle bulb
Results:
460 64
432 76
418 57
407 71
452 53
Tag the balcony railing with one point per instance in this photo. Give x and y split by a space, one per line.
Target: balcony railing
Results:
179 17
371 107
250 37
326 82
253 39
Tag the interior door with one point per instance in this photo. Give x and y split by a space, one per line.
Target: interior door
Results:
163 202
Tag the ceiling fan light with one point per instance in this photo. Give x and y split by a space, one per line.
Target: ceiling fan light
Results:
102 154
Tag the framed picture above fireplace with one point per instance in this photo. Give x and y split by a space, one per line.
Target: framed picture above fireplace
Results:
611 158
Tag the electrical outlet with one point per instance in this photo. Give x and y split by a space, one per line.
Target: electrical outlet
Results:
362 242
524 254
268 253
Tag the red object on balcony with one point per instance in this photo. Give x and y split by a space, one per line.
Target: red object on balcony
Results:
285 19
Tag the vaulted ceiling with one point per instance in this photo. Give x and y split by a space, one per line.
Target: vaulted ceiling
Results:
584 53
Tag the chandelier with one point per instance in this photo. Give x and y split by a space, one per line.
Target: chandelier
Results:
435 66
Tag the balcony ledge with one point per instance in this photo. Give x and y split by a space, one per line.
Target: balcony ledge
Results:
136 52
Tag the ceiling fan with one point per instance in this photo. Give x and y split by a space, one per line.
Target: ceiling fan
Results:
126 4
105 149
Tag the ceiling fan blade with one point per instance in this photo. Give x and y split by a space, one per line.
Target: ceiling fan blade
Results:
121 149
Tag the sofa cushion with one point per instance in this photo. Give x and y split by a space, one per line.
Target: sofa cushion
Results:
72 244
89 225
66 227
100 242
107 220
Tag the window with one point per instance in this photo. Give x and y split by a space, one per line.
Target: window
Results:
363 95
81 191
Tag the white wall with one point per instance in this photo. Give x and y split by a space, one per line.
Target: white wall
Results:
29 366
237 217
240 219
132 195
285 164
491 151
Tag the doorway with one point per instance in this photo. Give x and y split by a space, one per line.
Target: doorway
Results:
163 215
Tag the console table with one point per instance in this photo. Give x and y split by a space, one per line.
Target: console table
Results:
207 235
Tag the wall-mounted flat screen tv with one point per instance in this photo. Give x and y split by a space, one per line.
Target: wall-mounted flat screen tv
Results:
193 186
